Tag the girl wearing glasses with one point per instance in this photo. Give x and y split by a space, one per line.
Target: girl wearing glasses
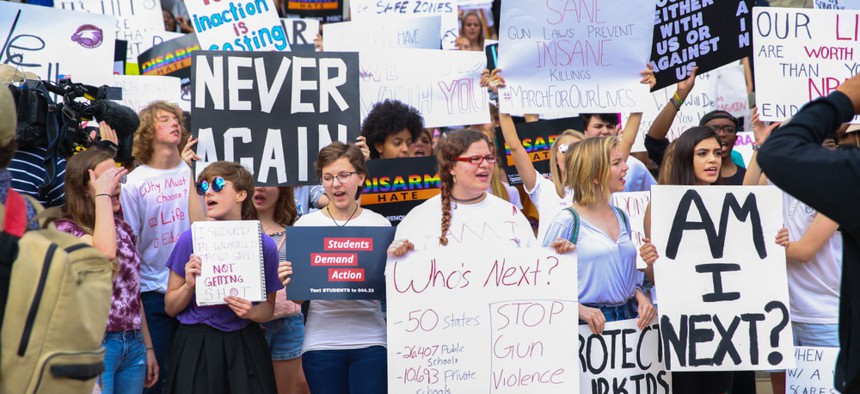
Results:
92 199
464 209
610 287
217 349
344 346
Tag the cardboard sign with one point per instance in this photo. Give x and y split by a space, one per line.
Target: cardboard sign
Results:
137 21
394 186
380 33
622 359
537 139
814 372
446 9
73 44
315 8
800 61
231 255
140 90
237 25
482 318
575 58
837 4
301 33
444 86
707 34
716 245
634 205
338 263
273 111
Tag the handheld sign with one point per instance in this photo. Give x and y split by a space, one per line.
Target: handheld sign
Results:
537 139
574 57
332 10
237 25
140 90
301 33
138 21
54 43
622 359
707 34
444 86
390 9
338 263
634 205
716 246
273 111
814 371
231 252
482 318
800 55
394 186
837 4
379 33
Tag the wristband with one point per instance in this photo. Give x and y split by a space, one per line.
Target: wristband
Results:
678 99
674 104
103 194
756 147
150 348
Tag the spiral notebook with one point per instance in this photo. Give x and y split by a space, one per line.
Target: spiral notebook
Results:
231 252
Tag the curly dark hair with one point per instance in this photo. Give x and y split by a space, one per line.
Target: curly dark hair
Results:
390 117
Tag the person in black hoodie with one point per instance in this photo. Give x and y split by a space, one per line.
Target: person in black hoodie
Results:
828 181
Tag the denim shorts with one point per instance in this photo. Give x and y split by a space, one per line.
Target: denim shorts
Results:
819 335
285 337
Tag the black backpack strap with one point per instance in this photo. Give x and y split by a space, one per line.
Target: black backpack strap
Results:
574 234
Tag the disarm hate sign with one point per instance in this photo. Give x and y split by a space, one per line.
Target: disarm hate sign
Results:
716 247
273 112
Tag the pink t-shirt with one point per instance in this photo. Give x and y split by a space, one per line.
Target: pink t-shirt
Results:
125 300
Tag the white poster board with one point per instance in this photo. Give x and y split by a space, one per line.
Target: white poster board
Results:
837 4
744 145
444 86
808 61
140 90
814 372
231 252
634 205
623 359
482 319
233 25
137 21
731 90
380 33
716 247
73 44
567 59
446 9
301 31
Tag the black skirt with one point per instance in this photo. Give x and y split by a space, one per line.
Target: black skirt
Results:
206 360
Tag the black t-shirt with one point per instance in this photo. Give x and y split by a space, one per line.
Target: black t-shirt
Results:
737 179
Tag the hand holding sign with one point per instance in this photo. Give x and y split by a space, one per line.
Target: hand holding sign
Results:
192 270
285 270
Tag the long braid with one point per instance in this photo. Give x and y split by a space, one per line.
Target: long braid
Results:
446 212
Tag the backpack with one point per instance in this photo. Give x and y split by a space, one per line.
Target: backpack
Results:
574 235
55 295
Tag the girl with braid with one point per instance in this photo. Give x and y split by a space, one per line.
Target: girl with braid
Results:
466 212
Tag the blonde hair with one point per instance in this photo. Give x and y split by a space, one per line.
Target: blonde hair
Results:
558 177
589 161
142 149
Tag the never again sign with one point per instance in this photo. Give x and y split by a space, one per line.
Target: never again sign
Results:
717 246
273 112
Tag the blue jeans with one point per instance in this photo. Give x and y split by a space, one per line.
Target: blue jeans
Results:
125 362
820 335
285 336
161 329
353 371
617 312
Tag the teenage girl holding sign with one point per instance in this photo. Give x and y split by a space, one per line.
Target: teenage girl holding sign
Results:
216 348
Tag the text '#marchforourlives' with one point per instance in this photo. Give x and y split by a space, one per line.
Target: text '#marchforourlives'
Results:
256 40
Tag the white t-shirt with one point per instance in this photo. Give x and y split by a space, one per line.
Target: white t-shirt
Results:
638 178
155 204
513 195
547 201
813 287
344 324
492 219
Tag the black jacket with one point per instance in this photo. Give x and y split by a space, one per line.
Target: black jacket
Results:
828 181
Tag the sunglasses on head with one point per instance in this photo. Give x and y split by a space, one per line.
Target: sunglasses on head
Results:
217 185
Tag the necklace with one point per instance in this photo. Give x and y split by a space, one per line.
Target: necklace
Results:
467 200
347 219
